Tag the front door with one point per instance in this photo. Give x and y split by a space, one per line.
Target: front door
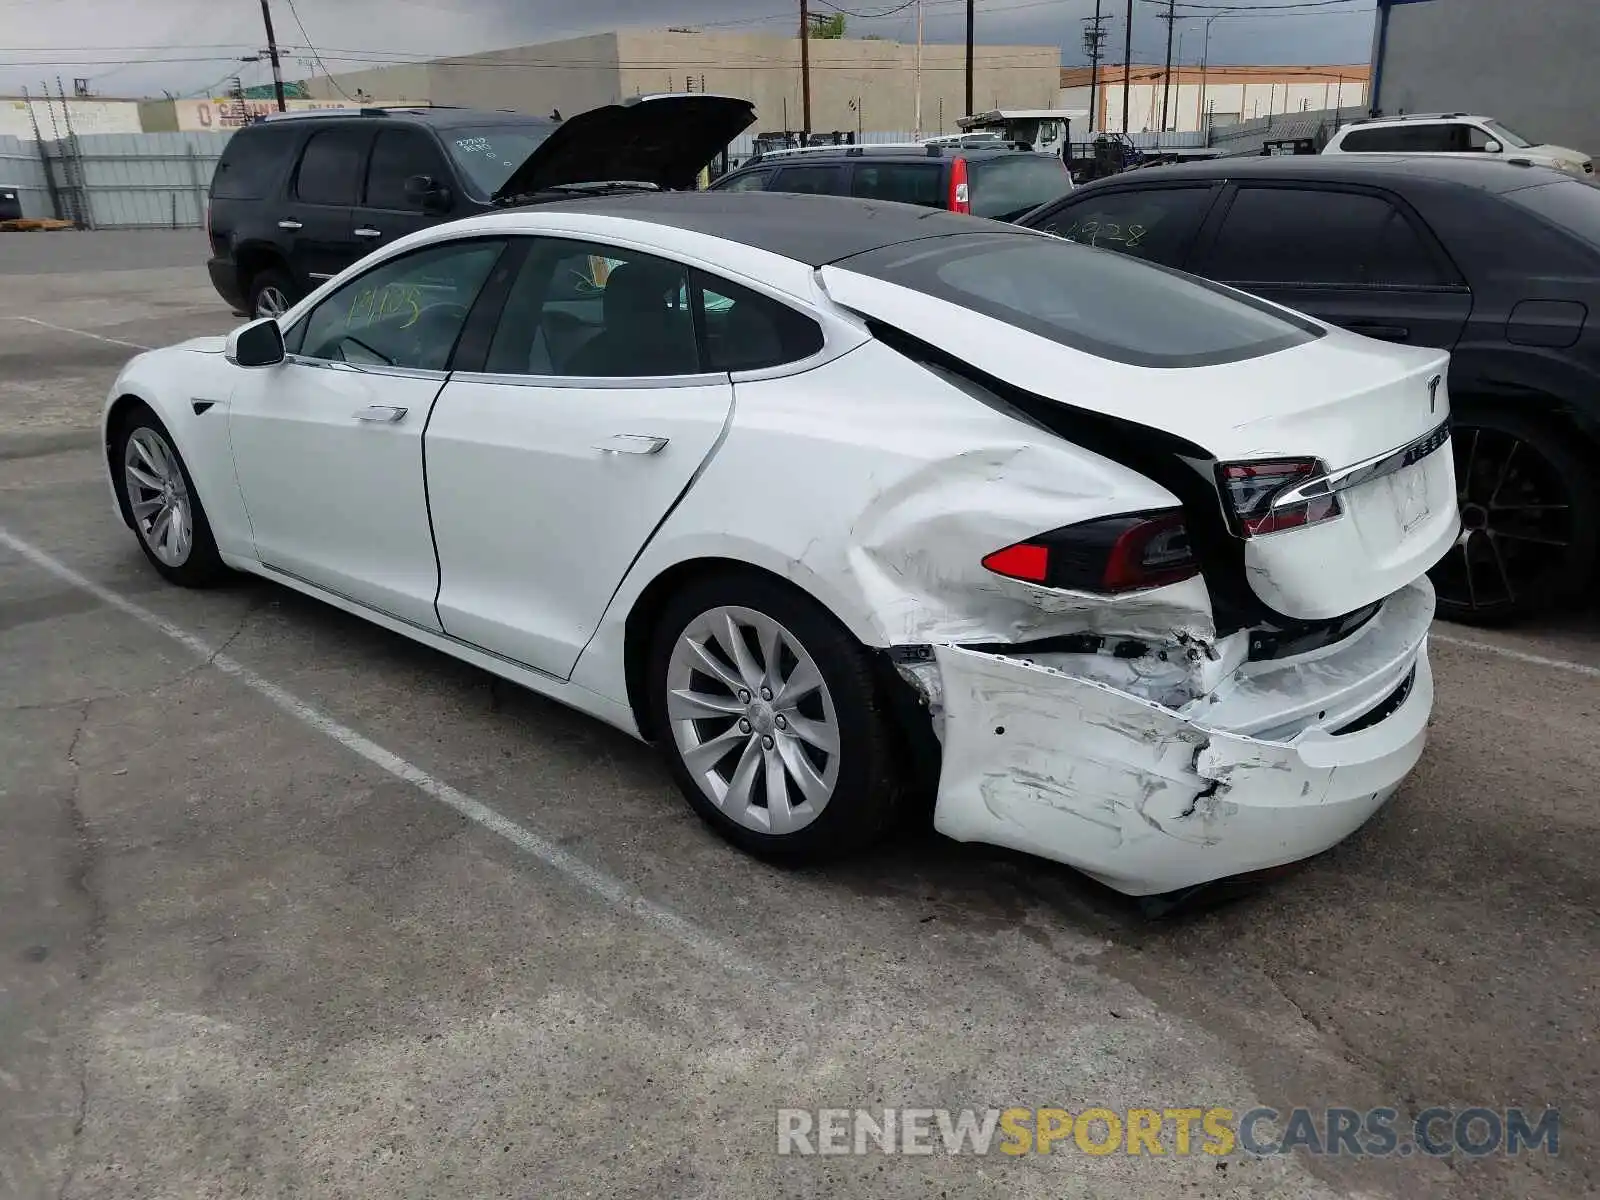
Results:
328 445
1350 257
388 210
551 466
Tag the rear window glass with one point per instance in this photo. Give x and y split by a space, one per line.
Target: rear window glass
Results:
252 162
489 155
1007 186
1096 301
1571 204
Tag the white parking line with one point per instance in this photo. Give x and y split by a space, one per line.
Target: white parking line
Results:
1537 660
99 337
592 879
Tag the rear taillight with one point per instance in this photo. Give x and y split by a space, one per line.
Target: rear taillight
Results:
960 189
1256 493
1114 554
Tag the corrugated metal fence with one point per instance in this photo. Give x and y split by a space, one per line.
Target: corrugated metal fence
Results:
116 180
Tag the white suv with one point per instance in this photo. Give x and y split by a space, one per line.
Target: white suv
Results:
1453 133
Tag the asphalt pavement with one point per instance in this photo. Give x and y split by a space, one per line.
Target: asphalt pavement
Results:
291 906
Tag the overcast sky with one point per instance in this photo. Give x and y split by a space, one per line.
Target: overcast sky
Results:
143 47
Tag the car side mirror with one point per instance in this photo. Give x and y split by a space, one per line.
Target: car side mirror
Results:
1492 147
258 344
429 193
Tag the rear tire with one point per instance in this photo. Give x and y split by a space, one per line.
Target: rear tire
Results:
1530 517
271 293
159 496
823 742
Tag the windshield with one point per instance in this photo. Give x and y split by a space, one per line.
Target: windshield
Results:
1009 185
1571 204
488 155
1096 301
1515 141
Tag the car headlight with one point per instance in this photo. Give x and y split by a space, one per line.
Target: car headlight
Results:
1570 165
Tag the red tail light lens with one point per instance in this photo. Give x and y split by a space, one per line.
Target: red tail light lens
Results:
1252 488
960 189
1116 554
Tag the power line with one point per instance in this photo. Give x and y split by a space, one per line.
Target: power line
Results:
326 74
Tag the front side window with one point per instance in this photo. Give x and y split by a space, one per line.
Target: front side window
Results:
907 183
1103 304
582 310
1507 137
407 312
1152 223
1301 236
397 155
330 166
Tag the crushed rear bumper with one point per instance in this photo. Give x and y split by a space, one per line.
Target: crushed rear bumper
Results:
1149 799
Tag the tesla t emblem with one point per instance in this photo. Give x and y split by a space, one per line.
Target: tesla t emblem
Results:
1433 393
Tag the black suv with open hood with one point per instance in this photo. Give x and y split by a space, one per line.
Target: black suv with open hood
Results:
297 198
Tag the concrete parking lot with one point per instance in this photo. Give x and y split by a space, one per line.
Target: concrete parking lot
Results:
290 906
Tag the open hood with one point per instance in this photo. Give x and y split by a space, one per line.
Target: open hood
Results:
664 140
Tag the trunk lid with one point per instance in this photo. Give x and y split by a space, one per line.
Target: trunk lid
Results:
1370 409
664 140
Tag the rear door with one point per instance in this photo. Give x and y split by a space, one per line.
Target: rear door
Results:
1357 258
386 212
317 215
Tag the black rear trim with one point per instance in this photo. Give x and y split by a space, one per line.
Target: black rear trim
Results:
1390 705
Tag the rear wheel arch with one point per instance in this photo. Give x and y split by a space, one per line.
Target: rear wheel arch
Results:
255 257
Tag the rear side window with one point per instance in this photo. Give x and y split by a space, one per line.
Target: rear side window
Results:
1433 139
745 331
907 183
253 162
1312 237
1008 185
1108 305
397 155
821 181
330 166
1158 224
753 181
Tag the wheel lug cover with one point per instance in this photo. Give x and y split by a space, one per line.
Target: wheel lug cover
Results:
766 743
744 725
782 722
744 696
766 693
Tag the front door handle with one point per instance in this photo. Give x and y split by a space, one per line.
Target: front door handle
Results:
1387 333
290 223
632 443
382 413
367 231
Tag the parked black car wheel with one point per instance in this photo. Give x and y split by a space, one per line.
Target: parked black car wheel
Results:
1530 519
272 293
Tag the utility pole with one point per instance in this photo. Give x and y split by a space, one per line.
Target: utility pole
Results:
1094 38
272 52
970 27
1170 17
805 73
918 122
1127 64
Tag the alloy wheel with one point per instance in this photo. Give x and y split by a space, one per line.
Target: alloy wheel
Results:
1516 523
158 497
753 720
271 302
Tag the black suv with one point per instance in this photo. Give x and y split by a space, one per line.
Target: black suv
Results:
997 180
296 199
1496 262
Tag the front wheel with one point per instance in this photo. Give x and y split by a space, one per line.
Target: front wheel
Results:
165 509
770 719
1530 519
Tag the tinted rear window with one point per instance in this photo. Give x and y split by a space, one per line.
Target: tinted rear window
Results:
487 156
1572 205
252 162
1096 301
1010 185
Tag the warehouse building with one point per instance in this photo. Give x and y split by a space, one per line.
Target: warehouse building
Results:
1532 64
856 84
1197 98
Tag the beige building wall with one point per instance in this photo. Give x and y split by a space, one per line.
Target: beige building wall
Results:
858 84
408 83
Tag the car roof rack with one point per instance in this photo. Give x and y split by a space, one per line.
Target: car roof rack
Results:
1433 116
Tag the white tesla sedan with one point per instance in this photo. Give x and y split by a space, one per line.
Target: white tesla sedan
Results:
831 497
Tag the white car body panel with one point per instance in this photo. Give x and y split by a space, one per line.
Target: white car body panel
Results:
876 486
